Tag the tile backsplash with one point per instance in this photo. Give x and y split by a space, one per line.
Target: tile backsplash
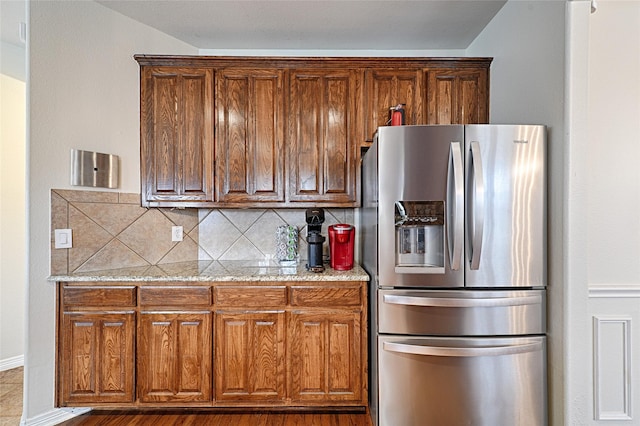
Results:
111 230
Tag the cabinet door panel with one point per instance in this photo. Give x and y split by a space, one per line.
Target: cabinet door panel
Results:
337 138
443 90
250 135
470 100
196 134
326 356
322 146
97 357
250 360
176 146
307 156
388 88
174 357
164 138
458 97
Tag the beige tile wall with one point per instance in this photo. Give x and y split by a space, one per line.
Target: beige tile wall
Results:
110 230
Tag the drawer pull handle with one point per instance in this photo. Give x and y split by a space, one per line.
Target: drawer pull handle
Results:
447 302
461 352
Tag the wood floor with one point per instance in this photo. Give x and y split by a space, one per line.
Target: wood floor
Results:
11 396
11 410
199 418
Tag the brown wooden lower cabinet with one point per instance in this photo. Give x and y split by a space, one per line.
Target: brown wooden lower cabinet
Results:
260 345
250 357
96 357
326 363
174 357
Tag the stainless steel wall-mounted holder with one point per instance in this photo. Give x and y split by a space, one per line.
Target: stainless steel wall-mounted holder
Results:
94 169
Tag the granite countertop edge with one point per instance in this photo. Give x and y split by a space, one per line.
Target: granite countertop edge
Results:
214 272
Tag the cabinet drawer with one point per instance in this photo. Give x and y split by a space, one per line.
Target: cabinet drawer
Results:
175 296
251 296
326 296
99 296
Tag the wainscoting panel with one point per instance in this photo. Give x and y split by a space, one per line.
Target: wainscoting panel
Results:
612 367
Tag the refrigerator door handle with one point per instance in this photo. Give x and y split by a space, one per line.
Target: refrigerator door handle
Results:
448 302
407 348
455 206
476 206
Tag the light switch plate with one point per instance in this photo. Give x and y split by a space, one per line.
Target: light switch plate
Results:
63 238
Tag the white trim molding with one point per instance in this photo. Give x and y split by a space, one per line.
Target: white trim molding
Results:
11 363
612 368
54 417
614 290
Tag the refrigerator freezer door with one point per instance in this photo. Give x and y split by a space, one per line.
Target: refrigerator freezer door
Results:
505 198
461 312
462 381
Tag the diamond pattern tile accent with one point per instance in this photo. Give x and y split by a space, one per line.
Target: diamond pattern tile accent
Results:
184 251
87 236
114 219
242 249
72 195
187 218
113 255
217 234
293 217
243 219
262 234
59 220
338 214
111 231
149 236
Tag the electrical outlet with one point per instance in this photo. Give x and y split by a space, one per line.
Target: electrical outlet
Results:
176 233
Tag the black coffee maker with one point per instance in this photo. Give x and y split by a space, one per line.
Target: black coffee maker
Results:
315 240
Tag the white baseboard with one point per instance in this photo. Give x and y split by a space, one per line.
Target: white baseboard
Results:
11 363
54 417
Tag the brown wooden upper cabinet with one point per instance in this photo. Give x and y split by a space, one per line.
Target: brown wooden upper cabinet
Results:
250 135
285 132
458 96
387 88
176 135
323 139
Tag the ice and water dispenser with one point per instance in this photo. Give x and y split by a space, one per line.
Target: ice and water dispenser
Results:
419 237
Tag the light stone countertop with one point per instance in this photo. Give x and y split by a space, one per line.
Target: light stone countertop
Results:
212 271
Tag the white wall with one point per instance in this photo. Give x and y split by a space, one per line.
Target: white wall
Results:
576 372
83 93
614 144
526 39
12 220
334 53
613 200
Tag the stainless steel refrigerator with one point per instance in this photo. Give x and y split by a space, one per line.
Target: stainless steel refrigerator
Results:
454 227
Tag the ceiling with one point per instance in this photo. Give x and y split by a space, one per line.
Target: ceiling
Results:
301 24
